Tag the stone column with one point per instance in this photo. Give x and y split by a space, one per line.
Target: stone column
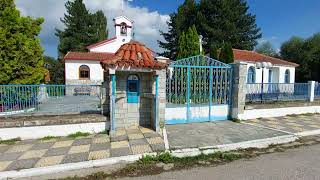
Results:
311 88
160 98
238 89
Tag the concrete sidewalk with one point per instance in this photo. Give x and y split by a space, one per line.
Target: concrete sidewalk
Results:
196 135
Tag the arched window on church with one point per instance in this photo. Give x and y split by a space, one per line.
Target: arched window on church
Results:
84 72
251 75
123 29
287 76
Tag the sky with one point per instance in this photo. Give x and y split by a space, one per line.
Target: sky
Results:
278 19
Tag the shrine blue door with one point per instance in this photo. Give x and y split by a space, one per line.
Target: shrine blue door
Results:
133 89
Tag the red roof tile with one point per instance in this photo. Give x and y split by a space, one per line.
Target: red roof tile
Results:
134 54
251 56
91 56
100 43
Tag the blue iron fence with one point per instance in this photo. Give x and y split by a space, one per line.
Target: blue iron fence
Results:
198 89
259 92
317 91
49 99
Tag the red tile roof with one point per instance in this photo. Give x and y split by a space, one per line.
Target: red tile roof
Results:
134 54
100 43
91 56
251 56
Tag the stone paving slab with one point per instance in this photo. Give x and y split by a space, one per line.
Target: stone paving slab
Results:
39 153
291 123
195 135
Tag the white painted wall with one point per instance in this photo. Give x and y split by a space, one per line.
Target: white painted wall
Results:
114 45
72 69
277 112
278 74
180 113
37 132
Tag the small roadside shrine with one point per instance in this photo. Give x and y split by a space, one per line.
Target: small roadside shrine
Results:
135 87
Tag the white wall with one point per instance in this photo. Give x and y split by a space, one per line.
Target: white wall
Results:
72 69
37 132
109 47
113 45
277 112
278 74
282 71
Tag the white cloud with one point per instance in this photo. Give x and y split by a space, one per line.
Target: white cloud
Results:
147 24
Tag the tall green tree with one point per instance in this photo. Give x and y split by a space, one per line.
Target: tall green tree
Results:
306 53
55 68
217 20
226 53
188 43
82 28
266 48
21 55
186 16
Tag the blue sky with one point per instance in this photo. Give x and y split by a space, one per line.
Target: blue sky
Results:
278 19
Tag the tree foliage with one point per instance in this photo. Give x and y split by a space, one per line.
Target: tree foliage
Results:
188 43
82 28
306 53
226 53
21 59
217 20
56 70
266 48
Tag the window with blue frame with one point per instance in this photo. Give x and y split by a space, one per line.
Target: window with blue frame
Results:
133 89
287 76
251 75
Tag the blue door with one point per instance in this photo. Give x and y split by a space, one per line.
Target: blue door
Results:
133 89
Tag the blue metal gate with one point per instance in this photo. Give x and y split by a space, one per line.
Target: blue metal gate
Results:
198 90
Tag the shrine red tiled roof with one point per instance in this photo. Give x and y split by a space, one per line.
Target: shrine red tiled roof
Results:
251 56
90 56
134 54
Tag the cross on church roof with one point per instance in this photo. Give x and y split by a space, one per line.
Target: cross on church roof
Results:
122 4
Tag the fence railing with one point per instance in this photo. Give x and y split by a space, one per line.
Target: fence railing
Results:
49 99
317 90
259 92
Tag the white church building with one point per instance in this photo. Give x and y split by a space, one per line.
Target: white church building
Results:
85 67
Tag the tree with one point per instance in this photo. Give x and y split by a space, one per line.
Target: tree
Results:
226 53
56 70
217 20
178 23
82 28
266 48
21 59
306 53
188 43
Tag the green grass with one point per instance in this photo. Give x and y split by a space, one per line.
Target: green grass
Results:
10 141
78 134
47 138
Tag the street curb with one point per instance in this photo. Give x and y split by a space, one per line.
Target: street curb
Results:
308 133
260 143
69 167
165 138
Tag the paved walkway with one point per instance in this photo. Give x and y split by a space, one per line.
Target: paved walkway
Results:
38 153
215 133
292 123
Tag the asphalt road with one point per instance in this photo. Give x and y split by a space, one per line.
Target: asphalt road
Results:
300 163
